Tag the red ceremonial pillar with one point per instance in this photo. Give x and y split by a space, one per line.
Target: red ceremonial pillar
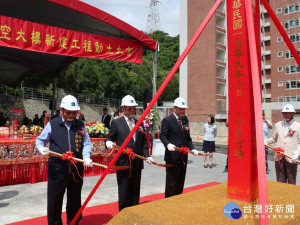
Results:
242 164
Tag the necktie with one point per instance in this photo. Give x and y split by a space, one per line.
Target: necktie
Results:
131 125
179 122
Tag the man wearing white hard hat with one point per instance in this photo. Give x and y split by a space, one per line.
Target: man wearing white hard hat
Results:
175 132
287 137
65 133
129 180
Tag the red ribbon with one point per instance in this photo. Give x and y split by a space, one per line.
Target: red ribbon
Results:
69 156
148 140
279 151
184 150
129 152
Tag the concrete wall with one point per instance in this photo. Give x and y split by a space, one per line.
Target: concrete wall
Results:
31 107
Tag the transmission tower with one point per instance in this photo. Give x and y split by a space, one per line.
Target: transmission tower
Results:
153 21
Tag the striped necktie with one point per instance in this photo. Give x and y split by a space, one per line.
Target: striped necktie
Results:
179 122
131 125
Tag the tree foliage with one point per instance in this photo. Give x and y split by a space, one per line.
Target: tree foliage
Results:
114 79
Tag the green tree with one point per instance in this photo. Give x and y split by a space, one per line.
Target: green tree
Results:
114 79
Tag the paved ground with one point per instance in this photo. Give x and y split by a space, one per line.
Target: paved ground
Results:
25 201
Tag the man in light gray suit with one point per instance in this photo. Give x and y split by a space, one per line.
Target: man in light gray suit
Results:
287 136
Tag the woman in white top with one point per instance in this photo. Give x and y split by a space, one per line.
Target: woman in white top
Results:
210 132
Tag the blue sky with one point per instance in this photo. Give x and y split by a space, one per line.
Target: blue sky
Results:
135 12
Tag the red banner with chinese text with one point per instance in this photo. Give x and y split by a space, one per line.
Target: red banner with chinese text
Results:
242 164
26 35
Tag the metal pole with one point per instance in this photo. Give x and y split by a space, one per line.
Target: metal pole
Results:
53 106
155 74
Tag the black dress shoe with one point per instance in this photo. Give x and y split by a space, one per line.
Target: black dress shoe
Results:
210 167
205 166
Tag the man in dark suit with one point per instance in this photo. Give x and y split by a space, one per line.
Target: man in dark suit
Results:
106 118
129 180
175 132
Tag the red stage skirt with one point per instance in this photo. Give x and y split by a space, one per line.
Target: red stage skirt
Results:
20 163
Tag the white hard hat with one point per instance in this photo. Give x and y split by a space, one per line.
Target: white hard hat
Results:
180 102
128 100
69 102
288 108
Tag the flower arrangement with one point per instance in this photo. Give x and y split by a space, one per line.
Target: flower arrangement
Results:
149 120
97 130
291 132
24 130
36 130
148 126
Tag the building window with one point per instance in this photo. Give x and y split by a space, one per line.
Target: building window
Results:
293 38
279 39
279 54
286 25
291 23
287 69
287 98
293 98
286 10
290 8
280 68
292 69
288 54
292 84
278 10
280 83
280 99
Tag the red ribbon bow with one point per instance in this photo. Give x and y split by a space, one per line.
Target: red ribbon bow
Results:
129 152
69 156
279 151
184 150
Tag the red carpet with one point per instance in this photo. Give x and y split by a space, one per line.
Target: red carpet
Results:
101 214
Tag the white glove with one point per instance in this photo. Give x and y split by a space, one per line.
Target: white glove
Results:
149 160
41 150
109 144
266 143
195 152
88 162
171 147
294 158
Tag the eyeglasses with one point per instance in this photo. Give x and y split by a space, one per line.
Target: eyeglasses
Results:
70 112
130 109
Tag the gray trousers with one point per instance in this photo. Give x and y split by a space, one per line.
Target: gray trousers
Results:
286 172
